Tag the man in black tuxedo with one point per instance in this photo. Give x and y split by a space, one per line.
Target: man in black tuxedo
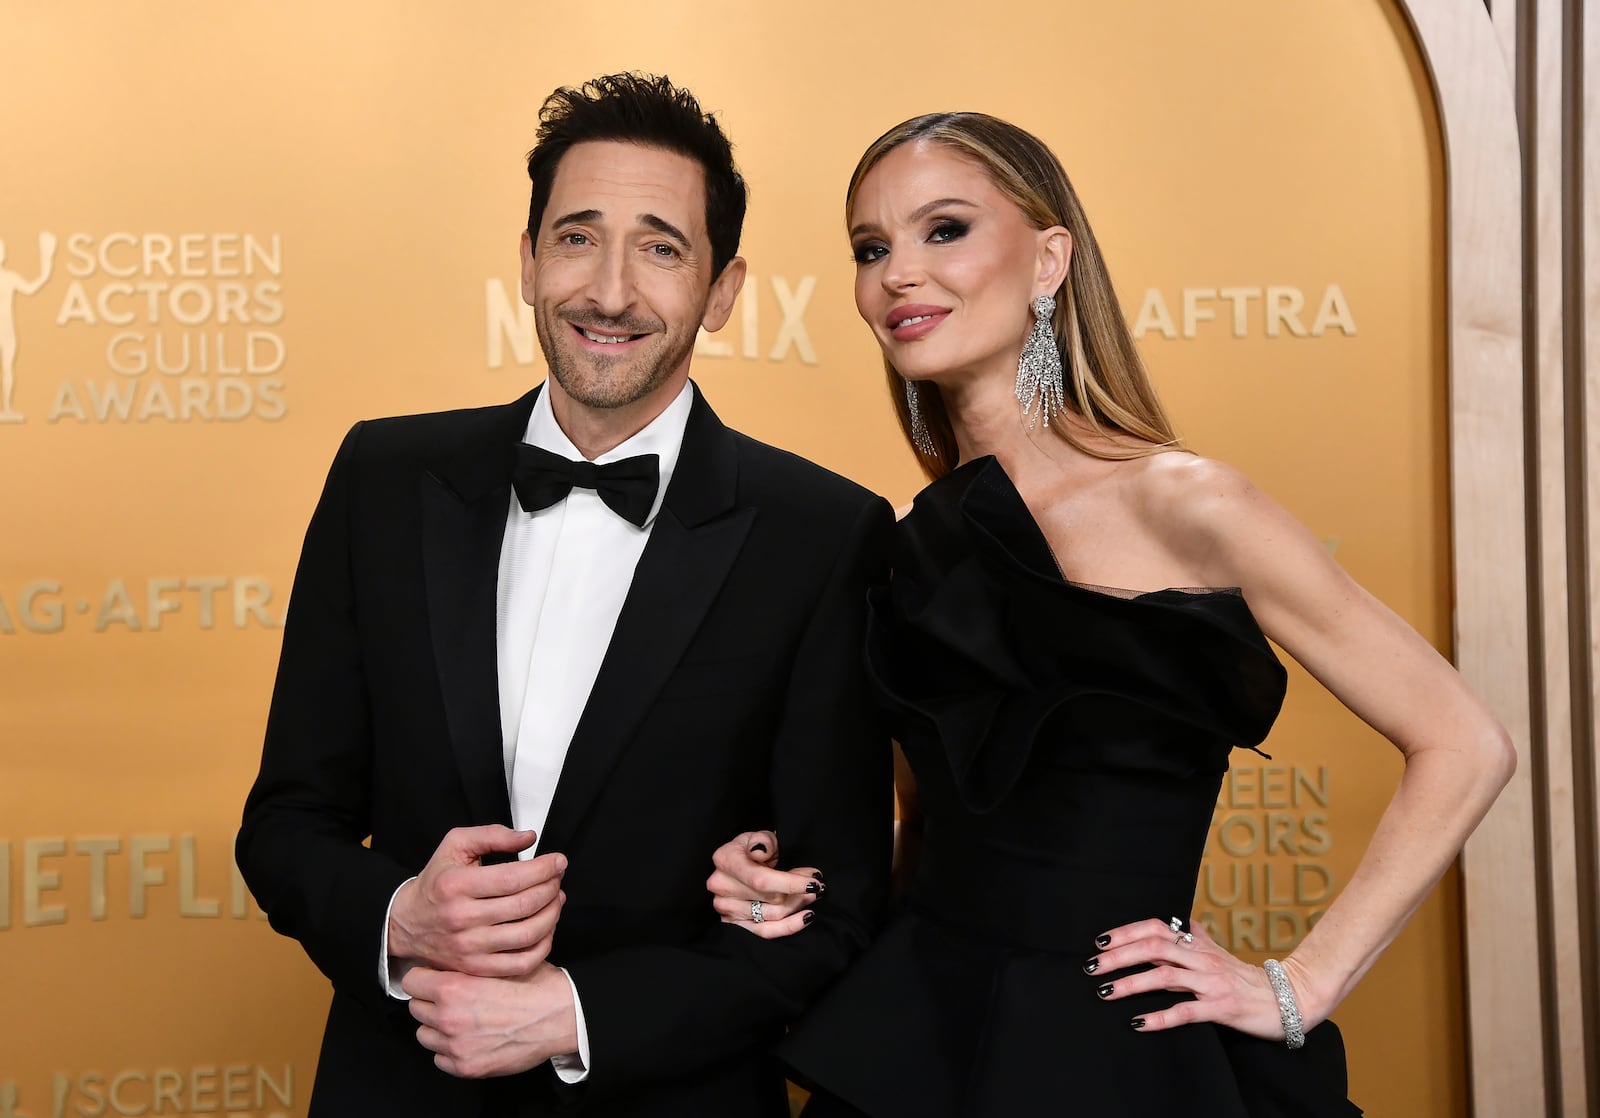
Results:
598 616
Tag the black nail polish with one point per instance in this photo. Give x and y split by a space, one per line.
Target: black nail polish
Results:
817 874
1137 1022
813 887
808 917
1091 966
1105 991
759 848
1103 942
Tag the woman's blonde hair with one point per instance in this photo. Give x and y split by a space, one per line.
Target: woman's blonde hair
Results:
1104 379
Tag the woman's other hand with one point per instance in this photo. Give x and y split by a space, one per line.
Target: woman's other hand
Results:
747 889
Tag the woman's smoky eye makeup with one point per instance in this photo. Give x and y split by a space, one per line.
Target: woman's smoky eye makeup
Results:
866 252
947 229
941 231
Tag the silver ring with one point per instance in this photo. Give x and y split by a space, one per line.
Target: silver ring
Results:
755 912
1176 924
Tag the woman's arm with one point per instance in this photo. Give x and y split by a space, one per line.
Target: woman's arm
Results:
1457 756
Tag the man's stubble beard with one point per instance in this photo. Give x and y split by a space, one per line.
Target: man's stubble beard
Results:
605 383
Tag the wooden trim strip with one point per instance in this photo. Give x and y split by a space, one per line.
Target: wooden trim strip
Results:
1464 51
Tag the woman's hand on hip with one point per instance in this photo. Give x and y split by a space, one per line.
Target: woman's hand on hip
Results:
1227 991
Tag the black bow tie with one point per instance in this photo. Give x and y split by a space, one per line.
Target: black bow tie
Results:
628 487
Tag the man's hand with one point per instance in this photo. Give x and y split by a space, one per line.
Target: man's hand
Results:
481 1027
491 921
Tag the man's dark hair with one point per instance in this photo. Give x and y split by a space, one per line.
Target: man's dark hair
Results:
647 110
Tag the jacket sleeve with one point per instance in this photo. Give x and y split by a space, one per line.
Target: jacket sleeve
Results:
660 1011
300 846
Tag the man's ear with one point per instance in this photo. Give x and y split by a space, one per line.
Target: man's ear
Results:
724 290
527 268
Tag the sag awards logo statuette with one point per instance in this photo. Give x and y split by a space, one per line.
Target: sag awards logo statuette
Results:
239 1090
186 325
11 285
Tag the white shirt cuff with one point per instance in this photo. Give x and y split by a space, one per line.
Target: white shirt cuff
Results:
574 1067
390 977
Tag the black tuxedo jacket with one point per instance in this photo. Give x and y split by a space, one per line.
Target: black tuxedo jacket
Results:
732 697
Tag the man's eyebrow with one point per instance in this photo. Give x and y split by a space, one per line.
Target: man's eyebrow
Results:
918 214
665 227
578 217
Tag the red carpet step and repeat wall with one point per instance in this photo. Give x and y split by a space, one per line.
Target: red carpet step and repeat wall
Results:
231 230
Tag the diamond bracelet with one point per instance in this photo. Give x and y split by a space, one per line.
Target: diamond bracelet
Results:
1288 1009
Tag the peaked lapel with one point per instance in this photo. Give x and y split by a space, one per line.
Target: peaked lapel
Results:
693 544
464 503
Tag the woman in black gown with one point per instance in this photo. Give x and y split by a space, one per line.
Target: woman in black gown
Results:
1073 641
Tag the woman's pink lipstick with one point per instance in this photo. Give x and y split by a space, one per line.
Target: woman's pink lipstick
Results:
915 321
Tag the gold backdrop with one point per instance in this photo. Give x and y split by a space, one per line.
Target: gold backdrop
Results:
265 221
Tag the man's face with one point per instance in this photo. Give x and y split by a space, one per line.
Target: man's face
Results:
619 273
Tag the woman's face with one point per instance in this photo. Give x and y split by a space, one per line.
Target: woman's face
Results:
946 265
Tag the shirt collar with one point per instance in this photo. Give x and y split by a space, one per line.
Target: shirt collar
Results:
662 436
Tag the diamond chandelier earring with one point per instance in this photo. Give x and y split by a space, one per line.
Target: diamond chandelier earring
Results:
1039 386
920 438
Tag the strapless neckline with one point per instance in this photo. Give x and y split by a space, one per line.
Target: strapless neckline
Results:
992 473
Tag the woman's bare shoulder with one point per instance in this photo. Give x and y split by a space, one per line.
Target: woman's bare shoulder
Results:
1211 513
1189 491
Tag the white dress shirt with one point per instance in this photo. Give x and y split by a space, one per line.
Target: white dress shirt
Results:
564 574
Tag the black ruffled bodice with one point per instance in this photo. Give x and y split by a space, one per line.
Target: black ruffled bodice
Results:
980 647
